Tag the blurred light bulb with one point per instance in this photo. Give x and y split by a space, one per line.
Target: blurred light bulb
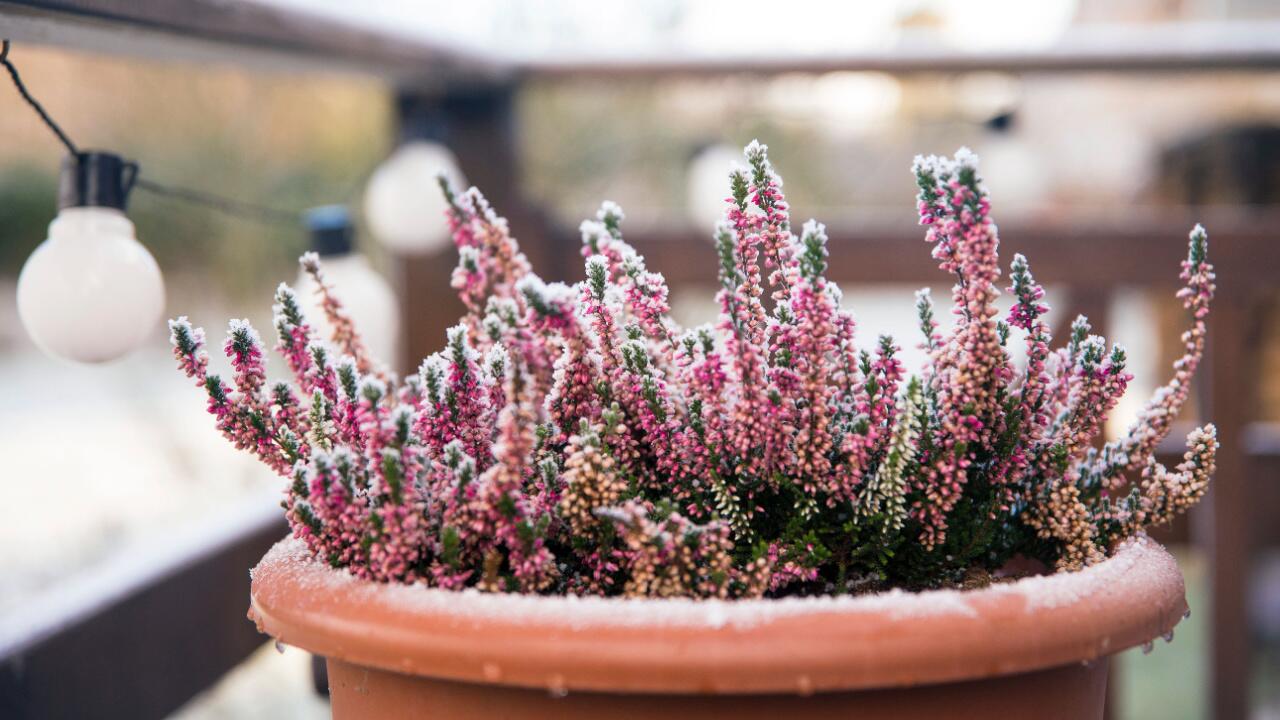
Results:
809 27
842 104
707 184
363 291
403 203
1013 171
1006 24
90 292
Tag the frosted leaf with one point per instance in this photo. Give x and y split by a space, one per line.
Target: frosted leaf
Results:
610 209
241 328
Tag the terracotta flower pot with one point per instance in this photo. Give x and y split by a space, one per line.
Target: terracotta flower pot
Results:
1037 647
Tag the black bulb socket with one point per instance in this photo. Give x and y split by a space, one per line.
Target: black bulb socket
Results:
332 230
95 179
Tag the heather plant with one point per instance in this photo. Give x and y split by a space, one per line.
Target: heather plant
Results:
575 439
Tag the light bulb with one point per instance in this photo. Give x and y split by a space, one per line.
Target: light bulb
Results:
707 184
90 292
403 204
1004 25
363 291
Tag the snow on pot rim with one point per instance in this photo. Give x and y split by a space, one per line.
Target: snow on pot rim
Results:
787 645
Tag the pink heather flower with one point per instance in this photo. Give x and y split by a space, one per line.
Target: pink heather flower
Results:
1166 494
1135 448
188 349
598 308
1030 412
506 323
672 557
646 296
345 335
500 259
294 335
243 416
740 232
469 279
574 439
457 404
810 349
244 347
573 395
874 407
700 443
644 293
786 572
742 318
490 261
1096 385
971 364
774 223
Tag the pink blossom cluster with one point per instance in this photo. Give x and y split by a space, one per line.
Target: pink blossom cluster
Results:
576 439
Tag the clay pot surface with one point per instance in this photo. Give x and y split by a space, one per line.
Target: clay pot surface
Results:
1037 645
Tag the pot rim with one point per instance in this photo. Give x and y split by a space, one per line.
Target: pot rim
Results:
789 645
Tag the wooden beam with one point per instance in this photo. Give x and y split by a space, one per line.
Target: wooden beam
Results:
138 636
1183 47
241 33
1222 523
1143 252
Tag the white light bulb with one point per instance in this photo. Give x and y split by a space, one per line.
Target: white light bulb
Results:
90 292
403 204
707 184
368 299
1003 25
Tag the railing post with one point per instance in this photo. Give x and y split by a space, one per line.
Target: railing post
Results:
478 123
1221 525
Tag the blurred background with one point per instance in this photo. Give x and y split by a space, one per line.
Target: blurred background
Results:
1105 129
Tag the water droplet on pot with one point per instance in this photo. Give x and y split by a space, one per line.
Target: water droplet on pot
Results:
1168 637
556 688
1147 647
491 671
804 685
280 647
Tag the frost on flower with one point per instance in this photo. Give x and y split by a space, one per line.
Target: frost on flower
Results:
575 439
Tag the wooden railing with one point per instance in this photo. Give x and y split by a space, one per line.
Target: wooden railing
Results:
140 634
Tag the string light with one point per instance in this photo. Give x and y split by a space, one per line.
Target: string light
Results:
365 293
705 182
92 293
402 210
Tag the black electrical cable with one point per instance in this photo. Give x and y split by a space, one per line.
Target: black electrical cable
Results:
225 205
35 104
229 206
